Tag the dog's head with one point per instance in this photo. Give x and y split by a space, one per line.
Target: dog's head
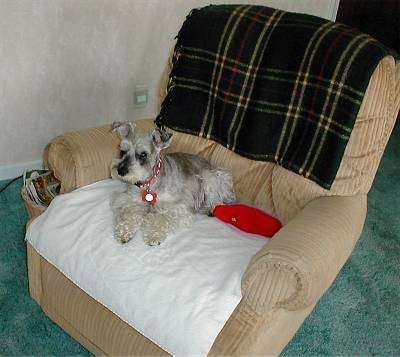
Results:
138 152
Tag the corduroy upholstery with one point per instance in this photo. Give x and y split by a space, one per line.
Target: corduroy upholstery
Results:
77 312
363 153
284 280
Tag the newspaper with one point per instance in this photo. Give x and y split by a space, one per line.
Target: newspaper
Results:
41 186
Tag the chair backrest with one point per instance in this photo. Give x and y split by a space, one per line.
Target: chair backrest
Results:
371 132
282 192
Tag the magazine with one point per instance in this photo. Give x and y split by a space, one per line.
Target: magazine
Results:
41 186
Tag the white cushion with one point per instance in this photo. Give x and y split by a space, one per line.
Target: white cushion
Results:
179 294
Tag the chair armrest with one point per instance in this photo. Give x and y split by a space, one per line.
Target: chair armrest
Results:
300 263
82 157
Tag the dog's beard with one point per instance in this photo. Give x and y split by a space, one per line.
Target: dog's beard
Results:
135 173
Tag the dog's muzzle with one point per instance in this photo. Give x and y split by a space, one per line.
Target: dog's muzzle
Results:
123 168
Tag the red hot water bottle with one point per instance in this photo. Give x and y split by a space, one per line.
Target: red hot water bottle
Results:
248 219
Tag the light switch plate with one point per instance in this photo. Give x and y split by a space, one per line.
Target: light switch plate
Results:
141 96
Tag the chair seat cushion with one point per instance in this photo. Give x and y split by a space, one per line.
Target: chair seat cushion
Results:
178 294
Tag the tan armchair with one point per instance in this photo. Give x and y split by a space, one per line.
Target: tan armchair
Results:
284 280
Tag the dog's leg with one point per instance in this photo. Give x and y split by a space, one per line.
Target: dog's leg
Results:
166 219
217 187
126 221
127 216
155 228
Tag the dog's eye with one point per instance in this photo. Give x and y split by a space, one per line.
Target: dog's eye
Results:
122 153
142 157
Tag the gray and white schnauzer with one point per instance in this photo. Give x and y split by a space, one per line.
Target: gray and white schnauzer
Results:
163 192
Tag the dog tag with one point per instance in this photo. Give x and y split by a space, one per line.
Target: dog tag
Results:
149 197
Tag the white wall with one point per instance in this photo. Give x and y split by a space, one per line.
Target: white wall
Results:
71 64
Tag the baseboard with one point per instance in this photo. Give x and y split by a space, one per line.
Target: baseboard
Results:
14 170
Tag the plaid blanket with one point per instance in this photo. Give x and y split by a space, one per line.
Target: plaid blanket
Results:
270 85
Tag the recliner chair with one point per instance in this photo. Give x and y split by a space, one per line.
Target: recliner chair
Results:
285 279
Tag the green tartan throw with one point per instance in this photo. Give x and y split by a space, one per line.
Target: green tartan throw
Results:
270 85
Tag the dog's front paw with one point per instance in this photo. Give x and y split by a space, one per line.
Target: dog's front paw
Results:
124 231
153 242
154 238
126 223
123 234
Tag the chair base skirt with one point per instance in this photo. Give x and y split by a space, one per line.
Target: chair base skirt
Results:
85 319
103 333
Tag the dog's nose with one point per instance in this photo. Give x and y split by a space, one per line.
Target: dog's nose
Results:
122 170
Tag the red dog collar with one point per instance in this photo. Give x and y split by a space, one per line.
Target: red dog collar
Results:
149 196
156 172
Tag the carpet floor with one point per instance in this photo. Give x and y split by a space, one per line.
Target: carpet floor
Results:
359 315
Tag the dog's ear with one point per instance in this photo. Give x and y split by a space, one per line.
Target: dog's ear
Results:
124 129
161 139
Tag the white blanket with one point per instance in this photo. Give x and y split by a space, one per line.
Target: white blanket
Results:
179 294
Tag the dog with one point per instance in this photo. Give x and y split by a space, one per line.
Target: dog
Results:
163 191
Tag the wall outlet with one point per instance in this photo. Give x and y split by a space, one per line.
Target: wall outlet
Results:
141 96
